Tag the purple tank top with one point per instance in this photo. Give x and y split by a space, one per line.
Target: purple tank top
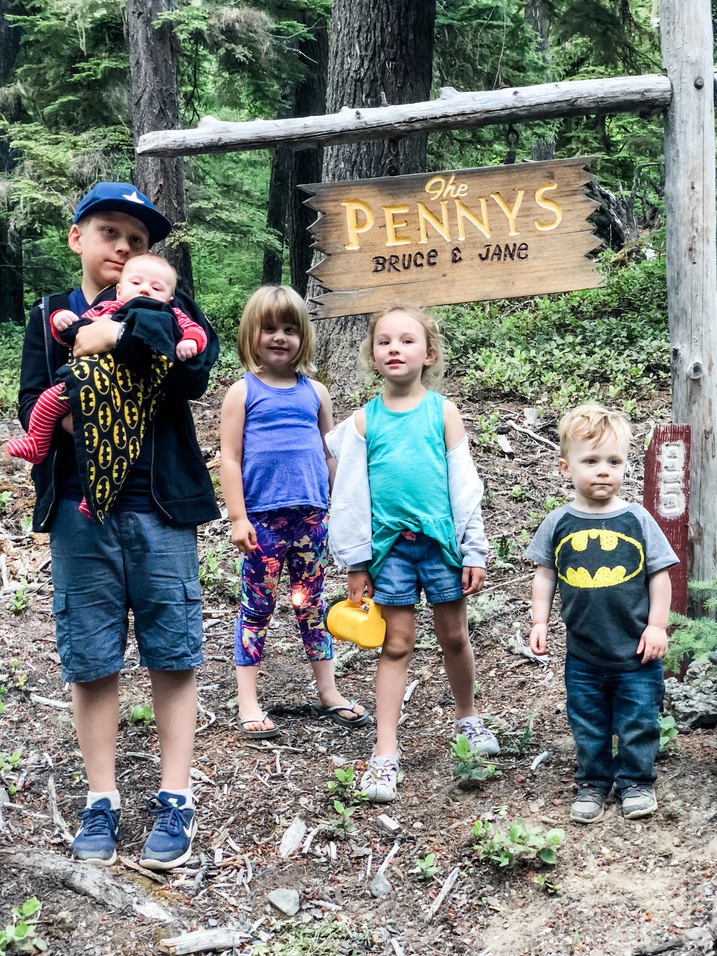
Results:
284 464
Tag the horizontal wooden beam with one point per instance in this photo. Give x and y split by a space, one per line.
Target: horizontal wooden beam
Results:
453 110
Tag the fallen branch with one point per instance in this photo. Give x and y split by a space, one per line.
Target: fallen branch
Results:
445 890
534 435
203 941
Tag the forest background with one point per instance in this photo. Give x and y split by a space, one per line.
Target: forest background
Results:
66 121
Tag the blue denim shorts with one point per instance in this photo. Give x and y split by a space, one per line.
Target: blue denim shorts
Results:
413 565
101 571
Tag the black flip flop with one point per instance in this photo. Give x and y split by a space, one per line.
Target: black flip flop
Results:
258 734
333 713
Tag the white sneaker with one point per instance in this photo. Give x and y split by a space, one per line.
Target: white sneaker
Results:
381 779
479 737
638 802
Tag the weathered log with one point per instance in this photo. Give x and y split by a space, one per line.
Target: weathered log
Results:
204 941
453 110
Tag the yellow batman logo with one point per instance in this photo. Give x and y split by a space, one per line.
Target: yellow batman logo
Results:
104 416
116 397
131 414
119 470
581 558
88 400
104 455
119 435
92 437
91 473
133 448
103 489
106 362
124 378
81 371
102 383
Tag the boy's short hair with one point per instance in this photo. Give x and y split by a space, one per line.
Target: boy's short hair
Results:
591 423
126 198
275 303
432 375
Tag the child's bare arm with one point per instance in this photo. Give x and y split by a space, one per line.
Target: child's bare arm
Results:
544 584
653 643
231 432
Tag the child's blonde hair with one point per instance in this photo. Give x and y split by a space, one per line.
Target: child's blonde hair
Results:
278 303
591 423
432 374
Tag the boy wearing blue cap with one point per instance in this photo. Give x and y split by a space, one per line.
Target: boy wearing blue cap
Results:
143 556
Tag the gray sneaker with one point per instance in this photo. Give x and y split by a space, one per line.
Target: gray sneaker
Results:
638 802
589 805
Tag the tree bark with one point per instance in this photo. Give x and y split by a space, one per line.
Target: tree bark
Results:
154 70
276 212
691 273
376 50
11 303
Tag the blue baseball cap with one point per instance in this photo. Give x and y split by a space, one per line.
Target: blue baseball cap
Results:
126 198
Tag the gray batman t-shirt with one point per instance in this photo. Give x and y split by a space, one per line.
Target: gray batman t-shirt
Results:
603 562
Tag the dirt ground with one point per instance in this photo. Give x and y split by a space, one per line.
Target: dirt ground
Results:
619 887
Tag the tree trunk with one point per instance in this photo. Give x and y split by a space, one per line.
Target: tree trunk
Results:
11 304
276 211
537 14
310 100
376 49
691 275
154 68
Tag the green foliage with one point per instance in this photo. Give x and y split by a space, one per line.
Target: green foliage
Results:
326 938
469 767
518 844
10 767
512 740
141 714
20 936
544 883
426 867
344 786
20 599
668 730
599 344
11 337
344 824
693 639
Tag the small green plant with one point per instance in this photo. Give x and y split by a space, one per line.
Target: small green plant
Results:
485 429
141 714
519 493
344 786
504 549
426 867
20 600
519 843
513 740
20 936
692 639
19 676
5 499
344 823
668 730
469 767
550 888
10 765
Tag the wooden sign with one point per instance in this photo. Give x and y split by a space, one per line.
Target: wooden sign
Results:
667 497
460 236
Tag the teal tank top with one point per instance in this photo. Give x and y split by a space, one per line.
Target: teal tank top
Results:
408 477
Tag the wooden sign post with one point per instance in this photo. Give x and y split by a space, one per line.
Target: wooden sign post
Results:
457 236
666 496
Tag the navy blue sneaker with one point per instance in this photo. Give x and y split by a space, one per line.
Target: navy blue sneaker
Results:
98 835
170 842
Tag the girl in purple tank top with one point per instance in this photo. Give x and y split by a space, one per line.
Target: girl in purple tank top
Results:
276 474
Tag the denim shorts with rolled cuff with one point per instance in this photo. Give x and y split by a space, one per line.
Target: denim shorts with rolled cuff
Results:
100 571
413 565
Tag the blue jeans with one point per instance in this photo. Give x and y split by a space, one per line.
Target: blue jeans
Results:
601 704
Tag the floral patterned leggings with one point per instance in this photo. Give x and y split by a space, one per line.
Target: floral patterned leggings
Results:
298 536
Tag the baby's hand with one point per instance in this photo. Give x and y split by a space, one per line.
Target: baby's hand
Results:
63 319
539 639
653 642
186 349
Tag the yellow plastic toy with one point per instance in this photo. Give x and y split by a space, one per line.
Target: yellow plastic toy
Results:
361 624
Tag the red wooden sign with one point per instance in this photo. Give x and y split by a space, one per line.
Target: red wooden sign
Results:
667 498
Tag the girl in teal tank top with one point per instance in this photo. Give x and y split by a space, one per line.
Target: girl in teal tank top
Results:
417 541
